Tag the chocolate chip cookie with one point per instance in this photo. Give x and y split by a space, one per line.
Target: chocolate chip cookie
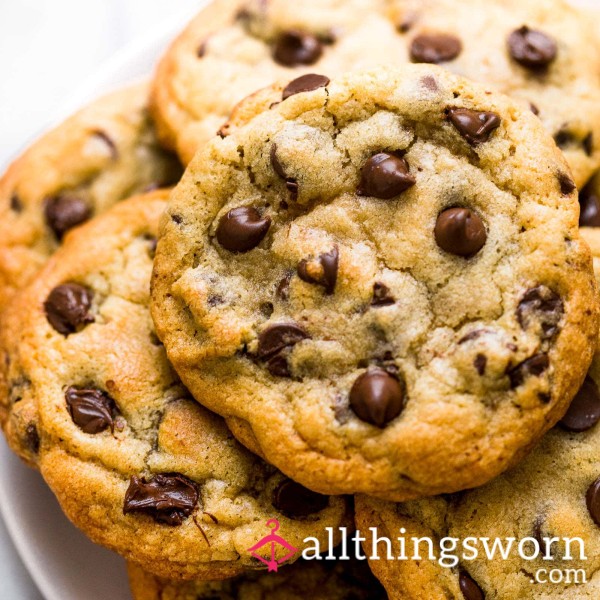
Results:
103 154
317 580
553 495
134 462
543 52
379 282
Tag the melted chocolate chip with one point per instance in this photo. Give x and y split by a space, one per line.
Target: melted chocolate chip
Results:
541 305
382 295
564 138
305 83
65 212
460 231
385 176
167 498
15 204
475 126
429 83
92 410
283 287
32 438
102 135
242 229
68 307
295 501
588 144
480 363
290 183
532 367
294 48
277 338
532 49
567 185
322 271
435 48
468 587
377 397
589 203
592 500
584 411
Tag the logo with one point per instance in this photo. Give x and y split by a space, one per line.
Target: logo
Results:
273 540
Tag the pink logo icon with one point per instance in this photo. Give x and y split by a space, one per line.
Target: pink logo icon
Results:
273 540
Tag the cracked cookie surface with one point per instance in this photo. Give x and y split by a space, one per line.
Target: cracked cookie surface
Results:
554 493
104 153
318 580
378 282
135 463
543 52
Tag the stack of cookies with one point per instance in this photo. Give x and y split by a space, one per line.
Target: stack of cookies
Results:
330 269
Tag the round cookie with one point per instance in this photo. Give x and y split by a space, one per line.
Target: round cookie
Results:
543 52
554 493
136 463
379 284
104 153
318 580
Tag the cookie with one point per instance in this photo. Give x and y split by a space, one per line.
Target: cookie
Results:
103 154
379 283
135 463
554 493
318 580
543 52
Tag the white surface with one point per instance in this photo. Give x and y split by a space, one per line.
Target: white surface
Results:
48 48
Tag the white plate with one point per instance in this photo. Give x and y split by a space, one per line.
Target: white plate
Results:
64 564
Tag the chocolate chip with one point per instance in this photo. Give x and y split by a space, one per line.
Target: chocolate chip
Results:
283 287
277 338
68 307
429 83
102 135
294 48
532 367
592 500
564 138
435 48
534 109
295 501
532 49
584 411
377 397
92 410
480 363
242 229
382 295
541 305
470 590
567 185
588 144
305 83
475 126
32 438
64 212
167 498
290 183
201 52
278 366
322 271
460 231
15 204
385 175
589 204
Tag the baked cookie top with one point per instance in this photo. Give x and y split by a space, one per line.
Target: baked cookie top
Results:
317 580
93 403
543 52
554 493
104 153
380 282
